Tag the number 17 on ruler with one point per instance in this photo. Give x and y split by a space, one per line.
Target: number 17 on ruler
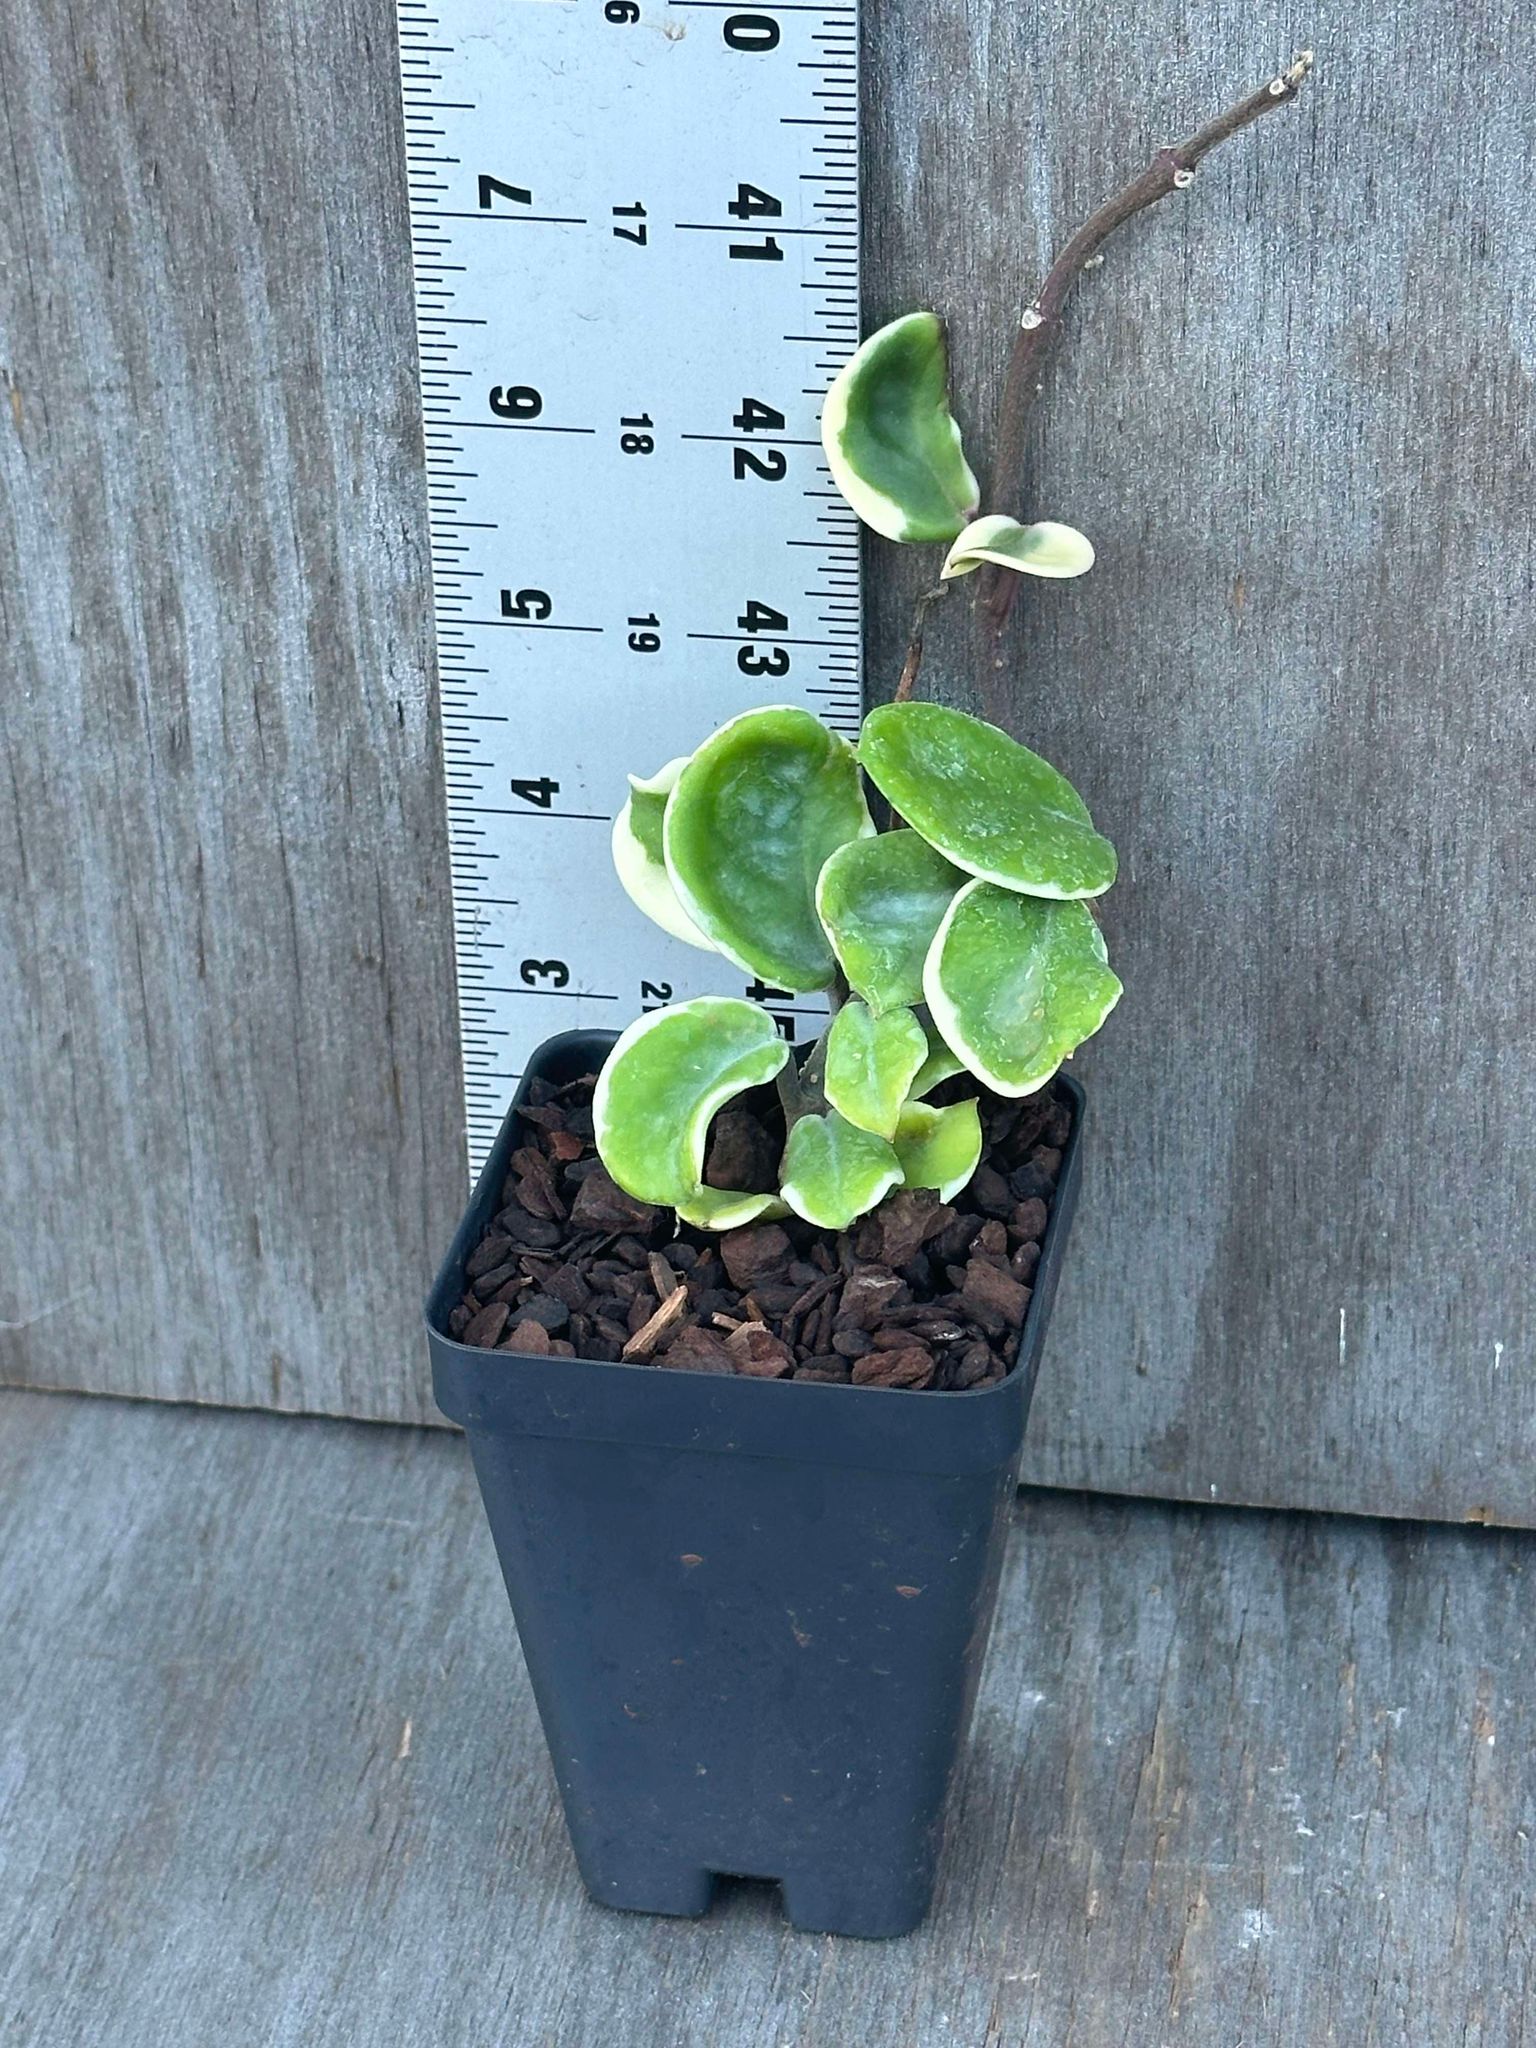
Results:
635 233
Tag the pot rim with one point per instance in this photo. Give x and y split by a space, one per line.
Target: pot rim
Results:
556 1396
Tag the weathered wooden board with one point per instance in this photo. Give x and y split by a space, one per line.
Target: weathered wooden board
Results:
271 1776
228 1047
1294 414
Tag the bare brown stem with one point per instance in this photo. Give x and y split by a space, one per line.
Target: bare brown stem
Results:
906 682
1040 325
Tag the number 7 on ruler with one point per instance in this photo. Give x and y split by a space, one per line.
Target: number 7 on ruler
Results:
635 234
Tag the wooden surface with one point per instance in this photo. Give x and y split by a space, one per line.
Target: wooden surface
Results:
271 1777
228 1049
1293 413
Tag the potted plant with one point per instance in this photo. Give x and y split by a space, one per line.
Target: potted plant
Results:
744 1343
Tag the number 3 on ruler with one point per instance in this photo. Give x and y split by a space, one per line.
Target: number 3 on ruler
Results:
524 433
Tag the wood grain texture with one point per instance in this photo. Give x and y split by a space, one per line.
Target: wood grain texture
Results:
1294 413
1293 409
271 1777
227 1041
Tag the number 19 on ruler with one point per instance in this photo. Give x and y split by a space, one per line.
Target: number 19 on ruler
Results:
635 233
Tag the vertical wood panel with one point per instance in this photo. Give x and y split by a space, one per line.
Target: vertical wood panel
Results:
228 1055
1294 413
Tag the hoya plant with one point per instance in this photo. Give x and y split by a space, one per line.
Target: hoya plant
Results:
936 879
952 938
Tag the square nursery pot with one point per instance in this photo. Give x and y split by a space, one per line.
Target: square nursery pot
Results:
753 1611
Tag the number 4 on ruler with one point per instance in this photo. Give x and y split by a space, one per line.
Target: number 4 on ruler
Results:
592 281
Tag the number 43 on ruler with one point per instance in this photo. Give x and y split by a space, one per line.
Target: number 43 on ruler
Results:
635 233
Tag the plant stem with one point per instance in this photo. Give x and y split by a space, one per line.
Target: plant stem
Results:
799 1085
907 681
799 1082
1171 170
812 1073
793 1099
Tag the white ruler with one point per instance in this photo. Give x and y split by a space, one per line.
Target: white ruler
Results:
635 229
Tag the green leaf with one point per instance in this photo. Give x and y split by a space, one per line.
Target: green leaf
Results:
753 817
880 901
940 1065
833 1171
870 1064
1015 983
723 1209
638 856
939 1148
892 445
1045 549
661 1085
988 804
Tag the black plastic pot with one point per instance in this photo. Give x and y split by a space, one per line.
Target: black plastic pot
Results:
754 1611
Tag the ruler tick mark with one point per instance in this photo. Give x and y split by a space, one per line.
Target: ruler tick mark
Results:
552 319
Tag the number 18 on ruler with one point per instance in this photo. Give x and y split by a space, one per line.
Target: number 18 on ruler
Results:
635 231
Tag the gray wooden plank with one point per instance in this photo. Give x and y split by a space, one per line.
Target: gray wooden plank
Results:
271 1775
228 1047
1294 412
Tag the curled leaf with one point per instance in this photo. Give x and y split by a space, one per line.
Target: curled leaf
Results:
834 1172
939 1148
880 901
661 1085
724 1209
988 804
753 818
1015 983
870 1065
891 442
638 857
1047 548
